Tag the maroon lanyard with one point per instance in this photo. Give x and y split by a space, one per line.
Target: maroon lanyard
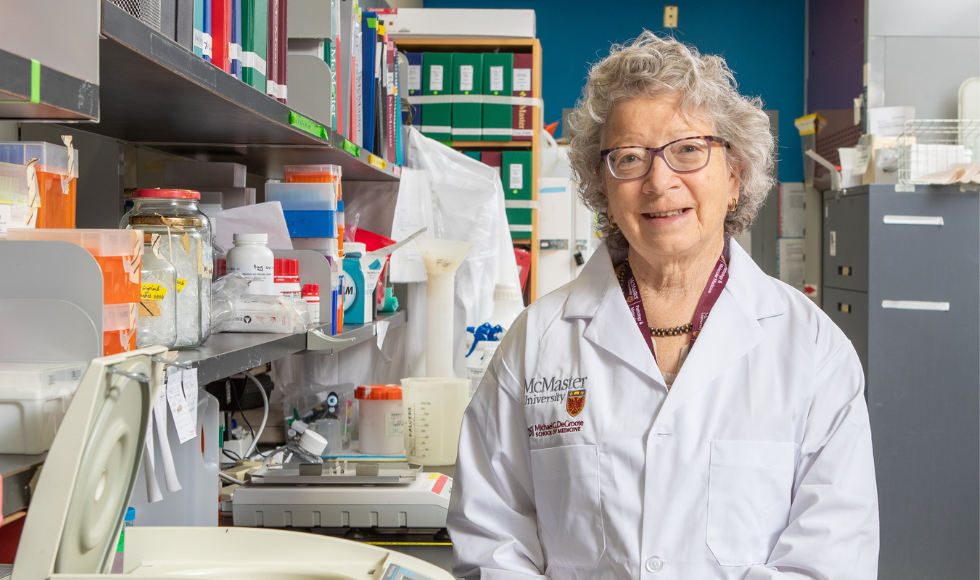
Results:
716 283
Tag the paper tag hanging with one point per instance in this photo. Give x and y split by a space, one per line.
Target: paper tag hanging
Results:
155 245
71 164
33 195
135 262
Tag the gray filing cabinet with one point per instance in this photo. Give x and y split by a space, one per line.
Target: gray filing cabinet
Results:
901 274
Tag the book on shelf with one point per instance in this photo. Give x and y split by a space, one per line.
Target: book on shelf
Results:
467 118
255 21
221 34
498 73
523 87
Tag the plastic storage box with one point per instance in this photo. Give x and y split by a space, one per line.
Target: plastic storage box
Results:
55 179
15 202
118 252
33 399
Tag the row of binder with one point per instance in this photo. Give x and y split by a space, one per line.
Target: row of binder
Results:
459 73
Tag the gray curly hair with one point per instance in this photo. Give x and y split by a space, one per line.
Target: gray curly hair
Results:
651 66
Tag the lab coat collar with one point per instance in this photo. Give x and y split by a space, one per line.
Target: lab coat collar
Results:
731 331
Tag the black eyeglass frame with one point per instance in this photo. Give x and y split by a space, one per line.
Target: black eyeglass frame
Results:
659 152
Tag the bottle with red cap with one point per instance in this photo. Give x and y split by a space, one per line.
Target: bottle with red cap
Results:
287 278
311 293
181 234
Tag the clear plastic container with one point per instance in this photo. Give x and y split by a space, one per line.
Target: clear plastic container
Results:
33 399
306 449
315 174
55 179
185 241
119 254
381 417
157 324
303 195
433 417
119 327
15 201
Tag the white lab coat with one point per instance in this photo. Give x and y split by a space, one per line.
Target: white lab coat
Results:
757 464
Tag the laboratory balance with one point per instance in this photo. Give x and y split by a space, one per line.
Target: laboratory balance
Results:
361 496
76 514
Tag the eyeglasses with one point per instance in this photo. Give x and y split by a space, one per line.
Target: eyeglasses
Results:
685 155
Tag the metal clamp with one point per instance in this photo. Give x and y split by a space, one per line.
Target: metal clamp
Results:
140 378
171 363
316 340
554 244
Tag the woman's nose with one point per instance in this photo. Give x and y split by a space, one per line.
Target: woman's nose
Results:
660 177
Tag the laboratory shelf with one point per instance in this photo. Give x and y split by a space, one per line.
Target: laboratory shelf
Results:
32 91
17 471
157 93
228 353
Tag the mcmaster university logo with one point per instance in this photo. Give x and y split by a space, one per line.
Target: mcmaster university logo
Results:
575 402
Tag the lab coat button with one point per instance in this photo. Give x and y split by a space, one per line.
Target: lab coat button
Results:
655 565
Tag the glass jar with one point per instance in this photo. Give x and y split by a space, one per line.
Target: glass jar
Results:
185 241
158 297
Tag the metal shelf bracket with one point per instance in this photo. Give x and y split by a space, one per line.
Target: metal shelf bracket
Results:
317 341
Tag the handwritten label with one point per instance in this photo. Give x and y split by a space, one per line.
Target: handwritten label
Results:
415 77
178 407
435 78
32 189
309 125
496 79
522 80
189 381
516 176
181 282
466 79
153 292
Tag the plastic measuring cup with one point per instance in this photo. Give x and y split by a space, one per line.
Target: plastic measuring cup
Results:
433 416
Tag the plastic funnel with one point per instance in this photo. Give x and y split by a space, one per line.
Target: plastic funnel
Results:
441 258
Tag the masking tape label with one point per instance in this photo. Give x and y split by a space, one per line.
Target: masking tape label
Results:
181 282
153 292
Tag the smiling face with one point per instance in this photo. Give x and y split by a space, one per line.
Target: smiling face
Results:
667 215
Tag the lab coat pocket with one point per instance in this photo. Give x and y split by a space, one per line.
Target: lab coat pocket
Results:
750 487
566 493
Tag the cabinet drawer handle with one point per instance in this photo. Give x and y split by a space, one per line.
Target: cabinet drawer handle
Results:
845 271
916 305
843 307
913 220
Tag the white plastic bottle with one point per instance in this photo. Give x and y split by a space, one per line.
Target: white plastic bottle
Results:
254 261
311 293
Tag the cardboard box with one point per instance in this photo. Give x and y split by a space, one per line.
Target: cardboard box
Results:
518 187
467 80
458 22
498 80
437 79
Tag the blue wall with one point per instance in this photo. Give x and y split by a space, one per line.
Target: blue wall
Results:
762 40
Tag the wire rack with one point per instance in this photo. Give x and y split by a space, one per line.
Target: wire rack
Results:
931 145
149 11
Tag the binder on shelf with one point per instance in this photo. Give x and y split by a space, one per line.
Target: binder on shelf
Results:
399 150
208 32
330 56
185 24
437 79
369 47
473 154
493 159
221 37
255 21
235 47
281 80
272 32
357 80
498 73
516 177
391 108
202 37
467 80
523 87
337 66
415 85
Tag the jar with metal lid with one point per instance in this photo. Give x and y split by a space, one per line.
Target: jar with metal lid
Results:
157 323
185 241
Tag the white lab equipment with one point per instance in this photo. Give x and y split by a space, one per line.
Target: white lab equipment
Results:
306 449
33 400
365 495
77 510
434 409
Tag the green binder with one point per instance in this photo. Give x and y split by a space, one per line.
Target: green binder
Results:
467 80
498 80
255 24
437 79
518 191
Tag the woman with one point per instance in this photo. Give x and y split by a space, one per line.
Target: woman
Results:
673 411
